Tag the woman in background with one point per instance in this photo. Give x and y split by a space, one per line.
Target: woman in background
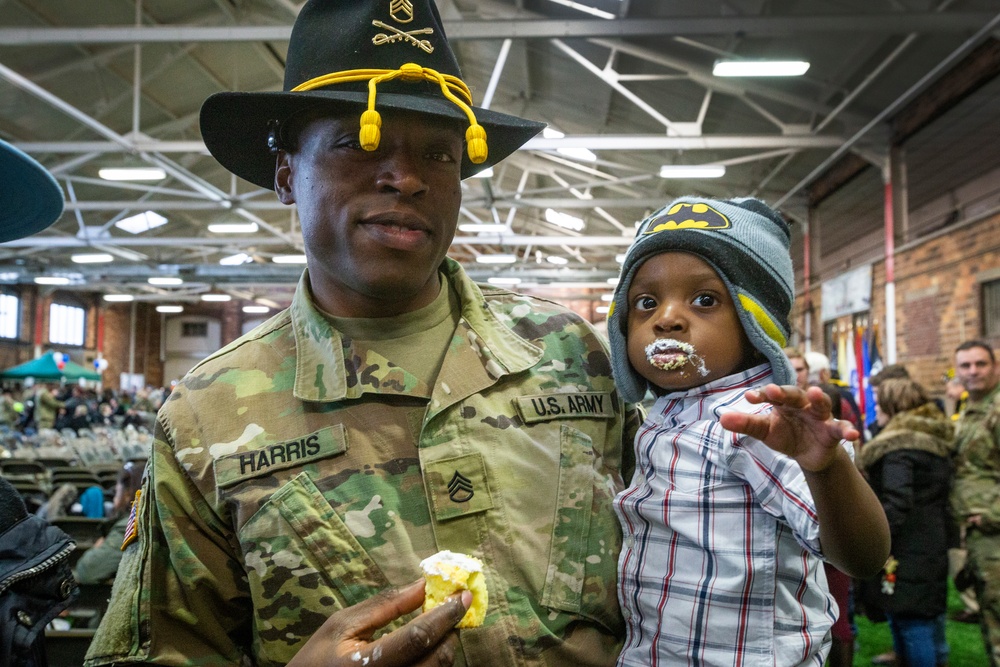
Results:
100 562
909 467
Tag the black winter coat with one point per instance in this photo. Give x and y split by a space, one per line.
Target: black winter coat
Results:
909 467
36 582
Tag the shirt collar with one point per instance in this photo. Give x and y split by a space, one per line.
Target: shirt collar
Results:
756 376
321 373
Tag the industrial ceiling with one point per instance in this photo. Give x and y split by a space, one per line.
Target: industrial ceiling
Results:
87 85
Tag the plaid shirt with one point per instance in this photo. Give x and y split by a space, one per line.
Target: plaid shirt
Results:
721 561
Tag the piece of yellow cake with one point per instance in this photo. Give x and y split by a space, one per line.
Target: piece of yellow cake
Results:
447 573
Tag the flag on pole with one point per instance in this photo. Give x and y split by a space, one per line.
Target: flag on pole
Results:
859 359
844 367
876 356
867 403
850 373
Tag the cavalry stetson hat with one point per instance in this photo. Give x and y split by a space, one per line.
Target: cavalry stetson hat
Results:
369 56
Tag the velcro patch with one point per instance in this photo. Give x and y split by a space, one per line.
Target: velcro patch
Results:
458 486
545 407
324 443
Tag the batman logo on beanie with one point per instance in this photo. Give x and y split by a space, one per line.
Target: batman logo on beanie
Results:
685 215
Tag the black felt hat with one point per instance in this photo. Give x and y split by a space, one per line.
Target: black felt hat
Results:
336 48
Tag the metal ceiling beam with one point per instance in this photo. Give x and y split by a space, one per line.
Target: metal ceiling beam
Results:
484 239
761 26
621 142
275 205
922 84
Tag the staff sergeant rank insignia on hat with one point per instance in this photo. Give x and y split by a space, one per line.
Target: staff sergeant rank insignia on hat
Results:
401 11
684 215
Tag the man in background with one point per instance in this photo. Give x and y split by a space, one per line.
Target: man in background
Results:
976 495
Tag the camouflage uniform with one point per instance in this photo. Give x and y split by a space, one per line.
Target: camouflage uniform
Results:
977 492
285 484
46 408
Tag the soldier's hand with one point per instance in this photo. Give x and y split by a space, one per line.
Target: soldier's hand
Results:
346 637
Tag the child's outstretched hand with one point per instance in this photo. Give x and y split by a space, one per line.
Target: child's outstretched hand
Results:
801 425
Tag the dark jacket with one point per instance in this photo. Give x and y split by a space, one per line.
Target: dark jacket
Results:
36 582
909 468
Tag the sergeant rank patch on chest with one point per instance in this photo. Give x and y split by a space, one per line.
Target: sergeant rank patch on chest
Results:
569 405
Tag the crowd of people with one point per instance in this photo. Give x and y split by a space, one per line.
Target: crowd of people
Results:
663 496
50 405
932 462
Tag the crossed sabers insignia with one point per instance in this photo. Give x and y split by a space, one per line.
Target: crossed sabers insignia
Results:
460 488
383 38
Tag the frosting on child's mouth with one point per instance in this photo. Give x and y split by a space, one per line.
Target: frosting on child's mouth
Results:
670 354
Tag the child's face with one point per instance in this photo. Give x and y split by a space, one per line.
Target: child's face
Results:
683 330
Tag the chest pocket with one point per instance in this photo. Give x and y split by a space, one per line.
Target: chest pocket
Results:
303 563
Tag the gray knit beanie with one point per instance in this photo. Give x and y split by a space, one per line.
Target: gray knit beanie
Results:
747 243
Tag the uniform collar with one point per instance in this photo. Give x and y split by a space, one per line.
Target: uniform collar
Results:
323 374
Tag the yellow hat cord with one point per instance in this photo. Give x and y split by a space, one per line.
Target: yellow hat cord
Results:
371 121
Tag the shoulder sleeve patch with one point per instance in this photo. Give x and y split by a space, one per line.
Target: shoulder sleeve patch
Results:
324 443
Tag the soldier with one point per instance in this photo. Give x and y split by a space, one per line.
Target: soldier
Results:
300 474
976 495
47 406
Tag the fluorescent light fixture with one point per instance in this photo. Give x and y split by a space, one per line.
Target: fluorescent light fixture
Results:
255 309
692 171
141 222
602 309
482 228
236 260
620 258
760 68
580 7
165 281
500 258
122 298
51 280
485 173
552 133
556 259
92 258
607 297
9 275
216 297
613 281
578 153
233 228
503 281
289 259
132 173
564 220
170 309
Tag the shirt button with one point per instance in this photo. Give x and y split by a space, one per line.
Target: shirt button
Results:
629 542
24 618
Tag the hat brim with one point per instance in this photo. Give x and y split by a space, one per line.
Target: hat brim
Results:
32 199
234 125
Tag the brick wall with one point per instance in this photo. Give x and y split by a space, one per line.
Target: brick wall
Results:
937 298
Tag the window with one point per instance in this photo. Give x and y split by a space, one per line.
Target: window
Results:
991 309
194 329
66 324
10 307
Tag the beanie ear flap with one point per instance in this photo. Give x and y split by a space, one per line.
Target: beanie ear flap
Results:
764 334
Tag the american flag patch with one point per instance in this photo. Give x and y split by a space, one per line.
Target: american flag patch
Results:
130 528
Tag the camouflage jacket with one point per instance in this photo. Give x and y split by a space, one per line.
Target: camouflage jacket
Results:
977 463
284 484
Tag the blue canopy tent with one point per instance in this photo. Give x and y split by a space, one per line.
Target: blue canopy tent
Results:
47 368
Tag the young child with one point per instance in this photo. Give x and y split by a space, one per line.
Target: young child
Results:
741 486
